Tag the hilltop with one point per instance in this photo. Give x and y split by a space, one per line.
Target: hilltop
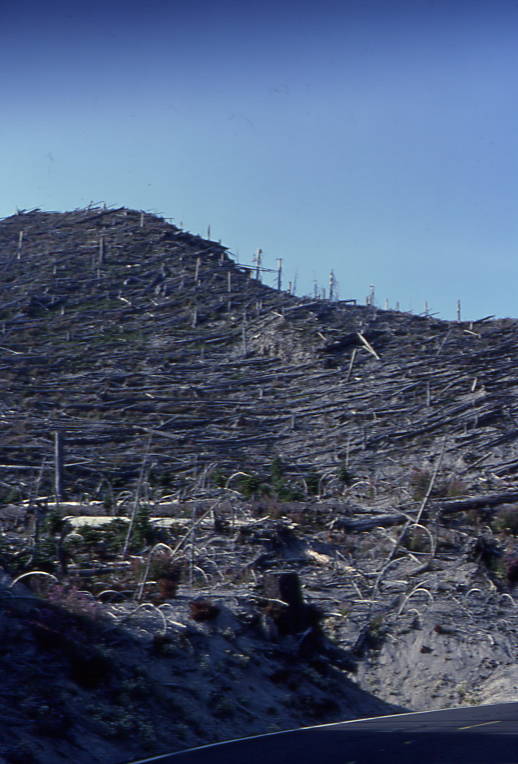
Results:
115 324
246 434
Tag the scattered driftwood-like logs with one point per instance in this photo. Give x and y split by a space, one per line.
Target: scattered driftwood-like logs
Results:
97 341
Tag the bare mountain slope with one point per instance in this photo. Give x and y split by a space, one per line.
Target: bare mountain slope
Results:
253 435
115 324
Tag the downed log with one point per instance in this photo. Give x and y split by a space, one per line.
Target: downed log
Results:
446 507
365 524
463 504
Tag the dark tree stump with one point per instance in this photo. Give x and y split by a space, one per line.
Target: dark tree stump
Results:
291 618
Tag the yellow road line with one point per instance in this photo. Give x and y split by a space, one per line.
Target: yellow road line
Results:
478 725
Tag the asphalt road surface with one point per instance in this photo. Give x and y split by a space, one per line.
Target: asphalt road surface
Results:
472 735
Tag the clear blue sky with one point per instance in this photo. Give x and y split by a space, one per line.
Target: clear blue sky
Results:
375 137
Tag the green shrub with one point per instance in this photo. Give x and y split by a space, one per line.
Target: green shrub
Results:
283 490
219 478
44 555
142 532
161 480
277 472
13 496
250 485
91 536
313 482
54 522
345 475
375 631
289 493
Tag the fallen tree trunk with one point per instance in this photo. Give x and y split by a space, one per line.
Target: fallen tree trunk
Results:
446 507
478 502
365 524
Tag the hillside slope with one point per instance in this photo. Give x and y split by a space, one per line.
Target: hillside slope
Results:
252 434
116 324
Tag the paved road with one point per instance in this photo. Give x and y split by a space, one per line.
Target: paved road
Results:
473 735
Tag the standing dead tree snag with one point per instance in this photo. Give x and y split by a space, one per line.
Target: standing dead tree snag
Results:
59 465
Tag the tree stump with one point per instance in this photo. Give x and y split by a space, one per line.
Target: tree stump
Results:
292 617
